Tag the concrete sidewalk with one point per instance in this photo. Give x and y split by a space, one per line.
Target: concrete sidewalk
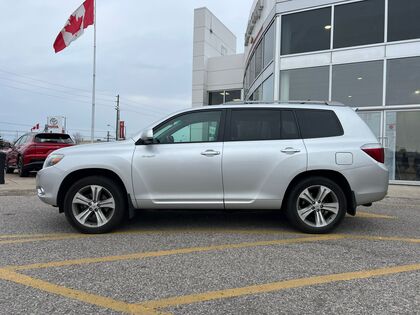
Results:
16 185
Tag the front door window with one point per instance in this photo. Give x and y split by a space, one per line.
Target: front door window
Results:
195 127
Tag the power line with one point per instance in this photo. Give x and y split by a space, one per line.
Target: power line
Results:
127 103
51 95
135 104
85 130
14 124
51 89
105 93
13 131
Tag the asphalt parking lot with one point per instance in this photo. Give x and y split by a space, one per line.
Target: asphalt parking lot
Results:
209 263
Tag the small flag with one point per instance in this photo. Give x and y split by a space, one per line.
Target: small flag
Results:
36 127
75 26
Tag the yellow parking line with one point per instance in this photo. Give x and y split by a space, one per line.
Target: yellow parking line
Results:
7 236
17 239
384 238
46 238
85 297
363 214
277 286
141 255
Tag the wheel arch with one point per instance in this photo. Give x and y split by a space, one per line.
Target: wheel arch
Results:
335 176
79 174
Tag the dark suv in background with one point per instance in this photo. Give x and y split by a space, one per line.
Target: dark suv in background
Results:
29 152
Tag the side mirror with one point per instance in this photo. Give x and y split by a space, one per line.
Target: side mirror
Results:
147 136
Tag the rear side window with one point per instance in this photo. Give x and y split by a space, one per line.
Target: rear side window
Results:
53 138
316 123
262 124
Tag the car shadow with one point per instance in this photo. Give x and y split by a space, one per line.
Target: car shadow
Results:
199 219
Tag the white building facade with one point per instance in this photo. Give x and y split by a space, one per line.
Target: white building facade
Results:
363 53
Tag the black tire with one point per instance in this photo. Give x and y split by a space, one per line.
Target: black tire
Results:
112 188
312 183
21 168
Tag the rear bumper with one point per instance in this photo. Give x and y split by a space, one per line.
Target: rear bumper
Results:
369 183
48 182
34 165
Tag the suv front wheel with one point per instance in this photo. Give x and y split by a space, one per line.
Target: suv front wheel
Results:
94 205
316 205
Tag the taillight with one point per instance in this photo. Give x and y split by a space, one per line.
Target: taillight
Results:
375 151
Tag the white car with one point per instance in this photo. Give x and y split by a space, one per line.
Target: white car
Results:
314 161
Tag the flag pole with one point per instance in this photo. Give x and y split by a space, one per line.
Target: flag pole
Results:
92 132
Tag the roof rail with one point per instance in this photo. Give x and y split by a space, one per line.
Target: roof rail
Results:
329 103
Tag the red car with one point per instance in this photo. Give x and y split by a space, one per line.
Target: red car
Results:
29 152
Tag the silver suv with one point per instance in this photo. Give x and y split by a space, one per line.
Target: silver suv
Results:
316 162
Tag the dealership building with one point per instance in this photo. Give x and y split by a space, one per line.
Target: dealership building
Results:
363 53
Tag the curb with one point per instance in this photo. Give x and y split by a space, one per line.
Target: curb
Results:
18 192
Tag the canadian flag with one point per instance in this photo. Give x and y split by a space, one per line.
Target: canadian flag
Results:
36 127
75 26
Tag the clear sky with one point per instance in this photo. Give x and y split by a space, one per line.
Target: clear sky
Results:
144 54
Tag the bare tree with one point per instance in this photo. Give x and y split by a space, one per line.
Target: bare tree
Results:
77 137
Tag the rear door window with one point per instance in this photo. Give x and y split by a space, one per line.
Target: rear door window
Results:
53 138
262 124
315 123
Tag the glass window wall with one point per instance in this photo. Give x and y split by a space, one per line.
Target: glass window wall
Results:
216 98
358 84
403 19
373 120
257 95
233 96
269 41
402 155
306 31
304 84
268 89
359 23
258 59
252 70
221 97
403 81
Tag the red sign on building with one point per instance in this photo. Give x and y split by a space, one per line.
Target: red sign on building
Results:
122 129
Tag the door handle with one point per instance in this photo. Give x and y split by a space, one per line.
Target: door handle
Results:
210 153
290 150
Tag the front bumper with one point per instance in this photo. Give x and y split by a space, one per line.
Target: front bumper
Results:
48 181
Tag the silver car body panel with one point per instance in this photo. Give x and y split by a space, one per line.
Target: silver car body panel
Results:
256 174
115 157
178 176
244 175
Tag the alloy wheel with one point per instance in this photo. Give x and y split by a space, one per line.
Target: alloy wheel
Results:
317 206
93 206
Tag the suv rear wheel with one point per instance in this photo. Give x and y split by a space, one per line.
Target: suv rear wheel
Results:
94 205
316 205
21 168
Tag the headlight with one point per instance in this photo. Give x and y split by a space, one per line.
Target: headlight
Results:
53 159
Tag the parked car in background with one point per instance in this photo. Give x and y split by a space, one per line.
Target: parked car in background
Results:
314 161
29 152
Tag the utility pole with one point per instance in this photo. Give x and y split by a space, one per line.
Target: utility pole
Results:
117 123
